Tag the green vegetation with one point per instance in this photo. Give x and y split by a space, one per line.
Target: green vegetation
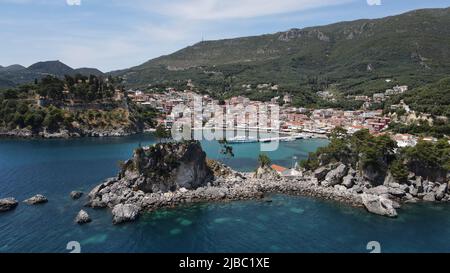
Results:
433 98
399 171
355 57
264 160
380 153
439 129
75 103
15 75
429 155
161 133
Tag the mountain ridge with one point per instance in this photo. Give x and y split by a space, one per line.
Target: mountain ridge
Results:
355 55
16 74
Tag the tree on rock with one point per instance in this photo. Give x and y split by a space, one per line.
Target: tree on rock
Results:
161 133
264 161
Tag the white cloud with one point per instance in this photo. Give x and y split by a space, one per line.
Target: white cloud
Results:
73 2
374 2
234 9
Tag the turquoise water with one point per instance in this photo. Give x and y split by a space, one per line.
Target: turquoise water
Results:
288 224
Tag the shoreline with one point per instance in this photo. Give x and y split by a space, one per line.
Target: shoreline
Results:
238 186
116 193
122 132
65 134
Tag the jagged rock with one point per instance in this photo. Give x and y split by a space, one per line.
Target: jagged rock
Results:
397 192
340 188
83 217
411 201
36 200
441 191
389 180
418 182
266 172
75 195
348 181
125 213
429 186
429 197
379 205
358 189
321 173
413 191
8 204
380 190
335 176
168 166
373 175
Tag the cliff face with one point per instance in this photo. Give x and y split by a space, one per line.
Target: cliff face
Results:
168 167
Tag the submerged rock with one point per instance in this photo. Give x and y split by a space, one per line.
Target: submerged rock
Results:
8 204
36 200
83 217
75 195
379 205
125 213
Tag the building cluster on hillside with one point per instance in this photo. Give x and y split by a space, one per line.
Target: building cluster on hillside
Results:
324 120
289 119
380 97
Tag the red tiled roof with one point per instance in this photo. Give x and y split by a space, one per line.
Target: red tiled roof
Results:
278 168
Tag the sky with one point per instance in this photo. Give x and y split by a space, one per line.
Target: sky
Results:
118 34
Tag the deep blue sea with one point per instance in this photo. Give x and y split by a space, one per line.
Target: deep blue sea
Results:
288 224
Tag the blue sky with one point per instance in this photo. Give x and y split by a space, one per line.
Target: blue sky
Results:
117 34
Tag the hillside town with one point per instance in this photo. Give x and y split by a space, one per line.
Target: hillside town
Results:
294 121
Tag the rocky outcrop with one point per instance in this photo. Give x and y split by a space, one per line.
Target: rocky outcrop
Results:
125 213
141 186
154 179
75 195
348 181
430 197
379 205
266 172
335 176
321 173
441 191
36 200
83 218
168 167
8 204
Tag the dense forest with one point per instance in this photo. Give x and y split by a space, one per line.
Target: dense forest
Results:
19 108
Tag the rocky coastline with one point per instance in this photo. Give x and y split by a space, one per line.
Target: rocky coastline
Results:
167 175
141 185
64 134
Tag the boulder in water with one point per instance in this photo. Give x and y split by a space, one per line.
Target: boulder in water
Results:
8 204
83 217
36 200
379 205
125 213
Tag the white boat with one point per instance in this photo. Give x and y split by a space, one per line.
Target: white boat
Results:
241 139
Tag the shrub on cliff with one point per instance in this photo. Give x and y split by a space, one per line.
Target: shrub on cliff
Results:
399 171
361 147
380 153
264 160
